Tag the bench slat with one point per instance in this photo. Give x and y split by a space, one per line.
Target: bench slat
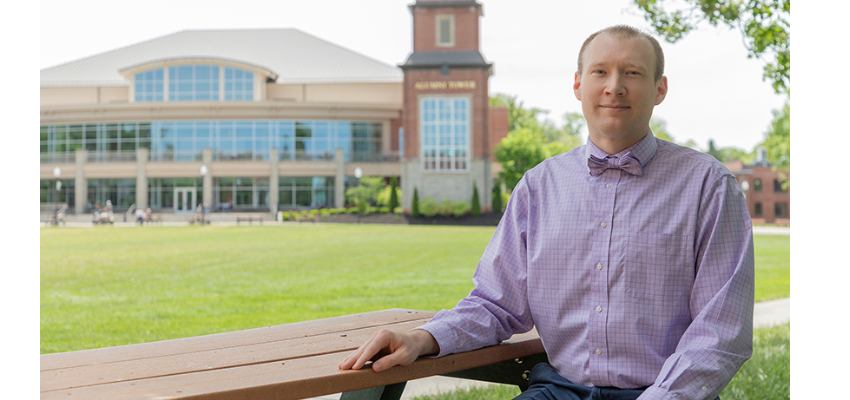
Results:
228 339
292 361
295 379
199 361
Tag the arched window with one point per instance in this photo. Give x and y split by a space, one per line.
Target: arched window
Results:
202 82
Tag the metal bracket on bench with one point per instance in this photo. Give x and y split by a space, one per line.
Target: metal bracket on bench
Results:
389 392
511 372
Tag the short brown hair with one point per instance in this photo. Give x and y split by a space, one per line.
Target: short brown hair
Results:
625 31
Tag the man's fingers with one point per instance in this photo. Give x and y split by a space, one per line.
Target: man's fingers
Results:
366 352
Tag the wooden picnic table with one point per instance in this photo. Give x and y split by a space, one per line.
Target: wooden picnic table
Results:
291 361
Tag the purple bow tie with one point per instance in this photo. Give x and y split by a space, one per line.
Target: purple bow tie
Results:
628 163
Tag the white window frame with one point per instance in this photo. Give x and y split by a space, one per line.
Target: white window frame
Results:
452 159
438 32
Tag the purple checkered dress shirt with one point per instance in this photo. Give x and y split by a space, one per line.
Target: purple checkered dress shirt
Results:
631 281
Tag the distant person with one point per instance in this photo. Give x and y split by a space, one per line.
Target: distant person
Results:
140 216
631 256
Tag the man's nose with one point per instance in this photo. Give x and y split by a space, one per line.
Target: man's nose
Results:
615 85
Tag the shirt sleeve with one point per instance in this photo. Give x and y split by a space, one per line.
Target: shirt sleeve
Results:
498 306
720 337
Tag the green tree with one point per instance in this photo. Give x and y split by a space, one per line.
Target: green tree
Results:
777 140
522 150
393 194
658 127
531 141
414 212
367 191
476 204
764 26
729 154
497 196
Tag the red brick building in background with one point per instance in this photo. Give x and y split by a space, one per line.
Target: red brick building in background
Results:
762 184
449 127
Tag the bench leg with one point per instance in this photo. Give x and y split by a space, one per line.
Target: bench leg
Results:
389 392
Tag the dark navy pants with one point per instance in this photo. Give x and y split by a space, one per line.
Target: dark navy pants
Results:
545 384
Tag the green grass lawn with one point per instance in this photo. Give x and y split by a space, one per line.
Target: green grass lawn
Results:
114 286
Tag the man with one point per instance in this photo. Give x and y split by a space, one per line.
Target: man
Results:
632 256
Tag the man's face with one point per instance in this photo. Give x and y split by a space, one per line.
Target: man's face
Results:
618 90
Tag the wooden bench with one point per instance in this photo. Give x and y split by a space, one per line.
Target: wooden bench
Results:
249 218
292 361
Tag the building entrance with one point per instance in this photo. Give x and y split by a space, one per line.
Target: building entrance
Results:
184 199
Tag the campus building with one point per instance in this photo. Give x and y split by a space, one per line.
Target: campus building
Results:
768 196
270 119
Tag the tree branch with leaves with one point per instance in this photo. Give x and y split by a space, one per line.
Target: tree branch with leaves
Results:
764 26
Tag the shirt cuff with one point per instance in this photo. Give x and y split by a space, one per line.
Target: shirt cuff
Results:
657 393
442 336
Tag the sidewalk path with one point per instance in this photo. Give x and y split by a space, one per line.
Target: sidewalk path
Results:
772 230
767 313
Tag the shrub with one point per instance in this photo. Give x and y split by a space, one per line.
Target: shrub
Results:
447 207
429 207
384 210
415 209
461 208
325 212
285 215
476 204
497 196
394 195
351 210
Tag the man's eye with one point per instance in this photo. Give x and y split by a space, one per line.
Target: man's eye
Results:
597 71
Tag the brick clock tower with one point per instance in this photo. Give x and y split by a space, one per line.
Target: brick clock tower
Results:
446 115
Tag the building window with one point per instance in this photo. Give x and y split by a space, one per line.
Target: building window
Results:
445 133
238 84
757 185
781 210
758 211
305 192
777 186
193 83
445 30
149 85
241 193
250 140
121 192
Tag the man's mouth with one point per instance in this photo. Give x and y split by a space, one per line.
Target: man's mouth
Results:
614 106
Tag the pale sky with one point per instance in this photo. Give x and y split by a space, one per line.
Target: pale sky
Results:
715 91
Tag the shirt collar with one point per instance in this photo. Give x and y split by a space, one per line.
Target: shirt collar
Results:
643 150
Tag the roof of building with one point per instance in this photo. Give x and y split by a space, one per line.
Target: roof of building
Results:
430 59
294 56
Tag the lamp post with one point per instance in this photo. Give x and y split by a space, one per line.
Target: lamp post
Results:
204 171
358 172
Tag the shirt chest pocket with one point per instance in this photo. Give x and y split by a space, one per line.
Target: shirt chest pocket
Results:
658 266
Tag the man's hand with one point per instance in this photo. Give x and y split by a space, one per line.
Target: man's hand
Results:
391 348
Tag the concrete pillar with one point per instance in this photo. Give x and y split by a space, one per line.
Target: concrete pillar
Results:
339 179
81 184
141 178
208 178
274 190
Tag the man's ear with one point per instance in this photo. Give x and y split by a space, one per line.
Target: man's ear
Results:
577 86
662 90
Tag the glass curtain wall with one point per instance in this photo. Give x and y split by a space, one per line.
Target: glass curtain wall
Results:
161 190
122 192
49 194
241 194
229 140
305 192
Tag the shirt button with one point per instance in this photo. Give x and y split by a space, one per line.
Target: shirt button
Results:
599 266
603 224
703 388
598 351
598 308
608 186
